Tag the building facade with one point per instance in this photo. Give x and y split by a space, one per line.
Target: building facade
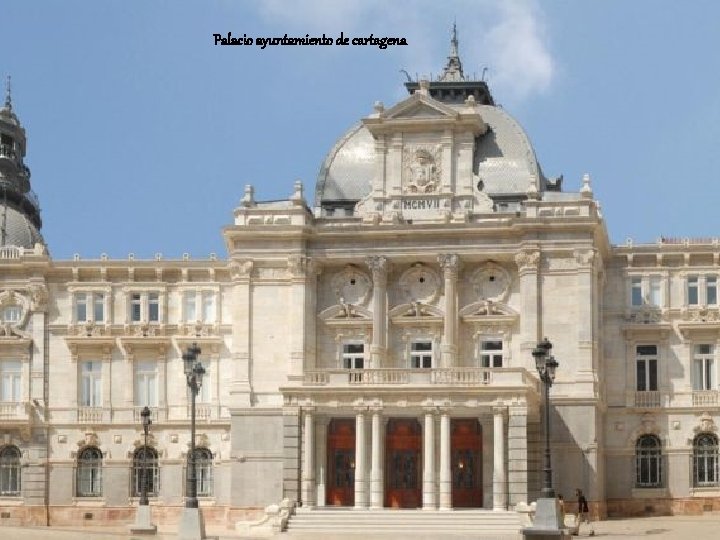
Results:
372 350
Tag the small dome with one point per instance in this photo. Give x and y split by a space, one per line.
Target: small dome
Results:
19 231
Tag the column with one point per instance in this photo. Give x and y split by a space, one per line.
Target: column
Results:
376 467
450 264
517 475
429 499
445 476
528 262
360 481
301 318
584 288
378 265
308 469
321 460
499 472
242 315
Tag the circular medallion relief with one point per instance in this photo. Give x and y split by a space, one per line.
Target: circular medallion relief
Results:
351 286
491 282
420 284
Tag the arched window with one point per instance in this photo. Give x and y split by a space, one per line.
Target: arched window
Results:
705 460
204 469
10 471
648 462
153 471
89 472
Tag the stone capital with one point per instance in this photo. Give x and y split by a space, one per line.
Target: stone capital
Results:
449 262
378 264
527 260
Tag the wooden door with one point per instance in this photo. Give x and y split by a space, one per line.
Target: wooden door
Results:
403 478
466 463
341 462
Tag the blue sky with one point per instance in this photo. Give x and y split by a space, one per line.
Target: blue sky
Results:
142 133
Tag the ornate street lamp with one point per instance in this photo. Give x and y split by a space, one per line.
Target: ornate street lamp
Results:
192 526
548 522
546 366
145 415
143 518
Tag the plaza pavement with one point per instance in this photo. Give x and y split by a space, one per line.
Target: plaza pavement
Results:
702 527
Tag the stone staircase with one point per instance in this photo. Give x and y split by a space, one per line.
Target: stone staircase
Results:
471 523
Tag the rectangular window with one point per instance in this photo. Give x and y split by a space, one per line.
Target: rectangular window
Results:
146 384
692 291
153 307
204 394
81 307
646 368
10 377
636 291
136 307
711 290
99 307
491 353
189 306
421 353
91 384
655 297
208 307
703 363
353 356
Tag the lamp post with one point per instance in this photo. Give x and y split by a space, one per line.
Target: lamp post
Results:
143 518
145 415
548 523
192 526
546 366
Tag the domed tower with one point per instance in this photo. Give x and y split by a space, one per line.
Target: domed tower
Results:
20 221
445 153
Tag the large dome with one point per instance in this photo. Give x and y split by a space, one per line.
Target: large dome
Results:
504 161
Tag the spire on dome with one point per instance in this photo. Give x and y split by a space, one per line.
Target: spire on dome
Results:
453 69
8 95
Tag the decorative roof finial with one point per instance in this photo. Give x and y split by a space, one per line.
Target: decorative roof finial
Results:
453 69
8 96
454 41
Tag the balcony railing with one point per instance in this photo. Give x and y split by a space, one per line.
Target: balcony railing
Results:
6 151
649 399
13 410
203 411
401 377
90 415
702 398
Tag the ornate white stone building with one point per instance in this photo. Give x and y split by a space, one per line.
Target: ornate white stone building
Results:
370 351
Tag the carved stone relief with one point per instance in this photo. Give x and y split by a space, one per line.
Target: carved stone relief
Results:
351 286
420 284
421 168
491 282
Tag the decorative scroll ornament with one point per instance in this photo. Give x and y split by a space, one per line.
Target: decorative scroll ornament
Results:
420 284
241 269
39 296
351 286
421 168
14 313
706 424
703 314
491 283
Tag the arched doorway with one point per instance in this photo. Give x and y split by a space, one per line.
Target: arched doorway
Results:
402 463
341 462
466 463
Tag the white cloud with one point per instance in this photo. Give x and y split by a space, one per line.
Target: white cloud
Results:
508 37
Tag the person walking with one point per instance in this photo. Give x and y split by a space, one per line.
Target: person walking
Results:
583 512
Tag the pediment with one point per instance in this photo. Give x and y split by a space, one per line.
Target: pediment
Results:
419 106
415 313
487 308
346 314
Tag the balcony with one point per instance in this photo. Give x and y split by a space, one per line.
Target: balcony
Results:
649 400
6 151
705 398
93 415
14 411
516 377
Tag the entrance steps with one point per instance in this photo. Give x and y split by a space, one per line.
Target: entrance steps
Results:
470 523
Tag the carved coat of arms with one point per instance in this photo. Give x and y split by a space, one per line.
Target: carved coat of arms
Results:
421 168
